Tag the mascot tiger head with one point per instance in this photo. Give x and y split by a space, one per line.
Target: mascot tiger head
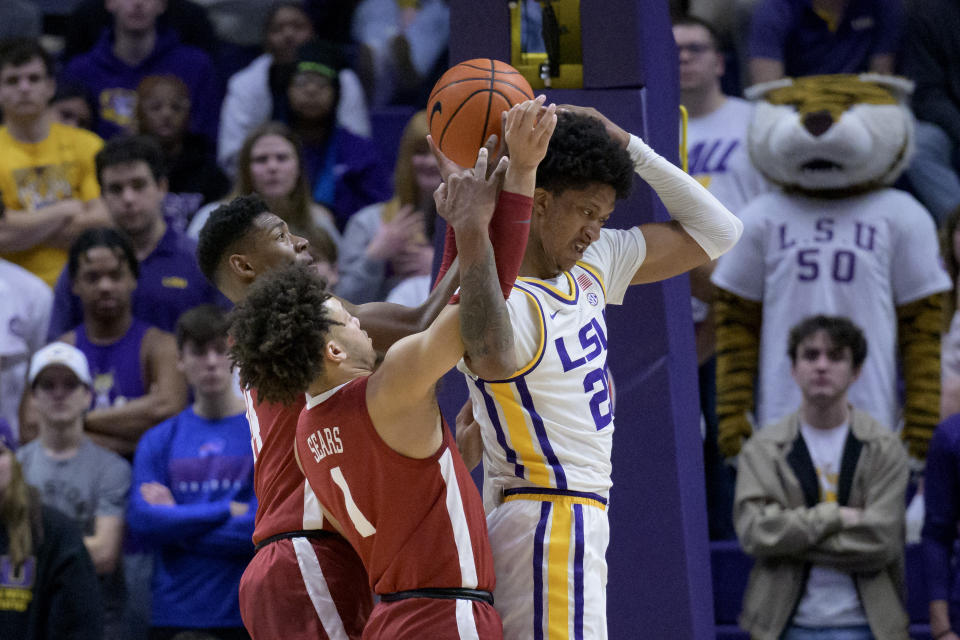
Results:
832 135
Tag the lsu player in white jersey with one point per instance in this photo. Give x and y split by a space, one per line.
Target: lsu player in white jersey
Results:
546 431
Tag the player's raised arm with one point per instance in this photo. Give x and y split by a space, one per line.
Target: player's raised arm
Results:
479 327
702 229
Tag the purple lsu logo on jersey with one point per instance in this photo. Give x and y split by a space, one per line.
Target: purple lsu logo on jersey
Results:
841 262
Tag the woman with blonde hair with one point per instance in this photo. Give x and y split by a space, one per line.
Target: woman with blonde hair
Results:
389 242
48 582
270 164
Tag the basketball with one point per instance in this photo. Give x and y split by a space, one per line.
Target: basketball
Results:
465 104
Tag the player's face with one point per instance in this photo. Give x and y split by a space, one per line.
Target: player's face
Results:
274 166
26 89
566 224
822 370
135 15
59 396
165 111
289 28
348 334
104 283
311 95
206 367
701 65
133 196
273 245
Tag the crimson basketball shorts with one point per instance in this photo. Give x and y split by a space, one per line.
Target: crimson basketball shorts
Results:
436 619
305 588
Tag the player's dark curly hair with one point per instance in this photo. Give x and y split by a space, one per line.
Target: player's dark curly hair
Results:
279 333
228 224
580 154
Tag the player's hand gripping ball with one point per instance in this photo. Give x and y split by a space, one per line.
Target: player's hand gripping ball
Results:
466 103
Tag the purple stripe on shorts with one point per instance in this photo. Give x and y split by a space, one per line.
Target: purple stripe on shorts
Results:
538 570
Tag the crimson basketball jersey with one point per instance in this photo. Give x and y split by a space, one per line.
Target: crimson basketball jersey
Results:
285 501
416 523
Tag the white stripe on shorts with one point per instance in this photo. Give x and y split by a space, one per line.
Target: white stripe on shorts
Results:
466 624
458 519
317 589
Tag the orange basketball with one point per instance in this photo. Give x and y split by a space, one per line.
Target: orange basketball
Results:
464 108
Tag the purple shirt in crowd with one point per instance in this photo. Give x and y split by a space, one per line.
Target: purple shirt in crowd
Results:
792 32
170 282
116 368
941 492
112 83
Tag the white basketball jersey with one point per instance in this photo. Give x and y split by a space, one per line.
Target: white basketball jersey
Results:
859 257
550 425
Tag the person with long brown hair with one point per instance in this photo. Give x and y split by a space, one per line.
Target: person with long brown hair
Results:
386 243
48 588
270 164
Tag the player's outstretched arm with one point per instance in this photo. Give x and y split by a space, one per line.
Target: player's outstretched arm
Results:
702 229
479 327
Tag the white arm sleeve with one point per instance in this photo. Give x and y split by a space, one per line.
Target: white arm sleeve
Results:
700 214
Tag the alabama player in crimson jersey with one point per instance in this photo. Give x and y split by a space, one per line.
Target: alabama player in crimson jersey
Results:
305 580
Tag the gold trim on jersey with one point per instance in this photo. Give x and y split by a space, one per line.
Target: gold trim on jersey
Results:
538 354
522 439
555 499
568 297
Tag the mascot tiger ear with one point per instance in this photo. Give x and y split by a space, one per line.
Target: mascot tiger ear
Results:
835 239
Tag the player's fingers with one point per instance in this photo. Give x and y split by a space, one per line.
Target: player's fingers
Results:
547 124
440 195
491 144
446 165
480 168
501 168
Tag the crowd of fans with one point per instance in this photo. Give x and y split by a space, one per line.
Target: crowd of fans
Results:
118 142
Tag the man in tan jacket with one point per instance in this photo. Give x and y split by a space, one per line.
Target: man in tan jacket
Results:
820 505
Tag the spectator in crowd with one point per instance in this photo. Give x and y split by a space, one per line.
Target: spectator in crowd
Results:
136 384
941 515
47 180
344 170
386 243
50 586
132 177
193 177
950 343
86 23
75 476
71 105
20 19
401 48
811 37
718 159
250 92
193 491
134 47
24 317
270 164
931 57
820 504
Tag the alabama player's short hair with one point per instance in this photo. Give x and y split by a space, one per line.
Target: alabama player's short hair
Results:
841 331
227 225
279 333
581 154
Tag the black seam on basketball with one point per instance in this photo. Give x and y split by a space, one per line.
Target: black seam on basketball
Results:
462 80
460 106
486 119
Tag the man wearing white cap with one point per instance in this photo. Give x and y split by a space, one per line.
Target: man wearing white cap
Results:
74 475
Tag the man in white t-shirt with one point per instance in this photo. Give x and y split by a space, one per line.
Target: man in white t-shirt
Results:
718 159
820 504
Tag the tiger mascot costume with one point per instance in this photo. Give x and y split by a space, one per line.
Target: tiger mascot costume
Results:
834 239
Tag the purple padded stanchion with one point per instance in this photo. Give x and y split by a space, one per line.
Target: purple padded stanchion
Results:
659 562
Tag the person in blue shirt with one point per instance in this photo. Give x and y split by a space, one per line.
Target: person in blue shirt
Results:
133 182
192 491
